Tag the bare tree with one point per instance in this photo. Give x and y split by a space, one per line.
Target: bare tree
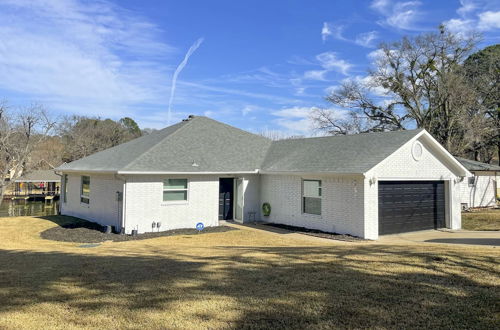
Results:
278 135
421 85
330 122
21 132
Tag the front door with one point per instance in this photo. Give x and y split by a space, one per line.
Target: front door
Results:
226 192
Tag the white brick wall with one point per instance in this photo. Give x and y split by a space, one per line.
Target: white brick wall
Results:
482 194
402 166
252 196
144 203
103 208
341 205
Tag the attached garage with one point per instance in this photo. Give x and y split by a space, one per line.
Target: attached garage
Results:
410 206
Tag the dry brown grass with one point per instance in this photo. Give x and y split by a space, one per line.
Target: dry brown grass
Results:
484 219
245 278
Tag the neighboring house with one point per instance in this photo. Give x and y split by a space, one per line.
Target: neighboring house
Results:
38 182
201 170
480 189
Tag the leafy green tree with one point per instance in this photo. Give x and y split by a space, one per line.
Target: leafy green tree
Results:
482 70
131 126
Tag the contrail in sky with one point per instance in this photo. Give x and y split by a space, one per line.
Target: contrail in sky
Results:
181 66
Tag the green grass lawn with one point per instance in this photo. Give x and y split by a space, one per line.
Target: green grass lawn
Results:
485 219
239 279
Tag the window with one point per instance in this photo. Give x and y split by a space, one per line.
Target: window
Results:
65 182
472 181
175 190
311 196
85 190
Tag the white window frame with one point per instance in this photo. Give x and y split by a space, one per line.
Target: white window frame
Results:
184 201
81 190
320 197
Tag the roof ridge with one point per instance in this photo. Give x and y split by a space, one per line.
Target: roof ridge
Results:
233 127
416 130
186 123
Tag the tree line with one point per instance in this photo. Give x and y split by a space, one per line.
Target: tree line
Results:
437 81
32 139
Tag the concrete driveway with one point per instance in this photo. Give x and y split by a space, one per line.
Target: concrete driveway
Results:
491 238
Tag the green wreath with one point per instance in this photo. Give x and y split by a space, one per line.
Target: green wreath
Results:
266 209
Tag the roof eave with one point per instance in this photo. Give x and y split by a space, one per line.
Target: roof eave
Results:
183 172
311 173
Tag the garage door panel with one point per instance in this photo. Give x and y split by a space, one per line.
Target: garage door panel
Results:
410 205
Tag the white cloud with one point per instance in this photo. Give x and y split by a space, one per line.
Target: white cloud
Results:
331 30
88 57
315 74
483 21
466 7
380 5
402 15
489 20
329 61
366 39
375 54
459 25
297 120
247 109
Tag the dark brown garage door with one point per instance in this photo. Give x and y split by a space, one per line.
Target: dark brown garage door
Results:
410 206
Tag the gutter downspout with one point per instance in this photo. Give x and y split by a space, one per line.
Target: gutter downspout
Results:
124 201
62 191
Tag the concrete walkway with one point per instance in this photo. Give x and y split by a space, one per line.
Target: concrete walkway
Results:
491 238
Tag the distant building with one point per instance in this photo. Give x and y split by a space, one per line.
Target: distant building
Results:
39 182
480 189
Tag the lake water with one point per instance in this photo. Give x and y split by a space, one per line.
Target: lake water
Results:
15 208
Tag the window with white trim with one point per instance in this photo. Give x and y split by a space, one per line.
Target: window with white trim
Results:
85 190
311 197
175 190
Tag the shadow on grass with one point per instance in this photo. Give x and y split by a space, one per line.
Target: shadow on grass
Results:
66 221
267 287
471 241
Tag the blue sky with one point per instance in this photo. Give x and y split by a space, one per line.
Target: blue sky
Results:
261 65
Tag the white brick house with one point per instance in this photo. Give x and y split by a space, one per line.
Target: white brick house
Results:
480 189
201 170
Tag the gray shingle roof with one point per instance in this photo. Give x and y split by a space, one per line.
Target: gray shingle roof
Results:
338 154
217 147
213 146
40 176
475 166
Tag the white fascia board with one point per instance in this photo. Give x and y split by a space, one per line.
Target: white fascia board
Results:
310 173
444 152
439 148
62 170
183 173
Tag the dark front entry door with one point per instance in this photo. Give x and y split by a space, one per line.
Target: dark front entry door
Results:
226 192
410 206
